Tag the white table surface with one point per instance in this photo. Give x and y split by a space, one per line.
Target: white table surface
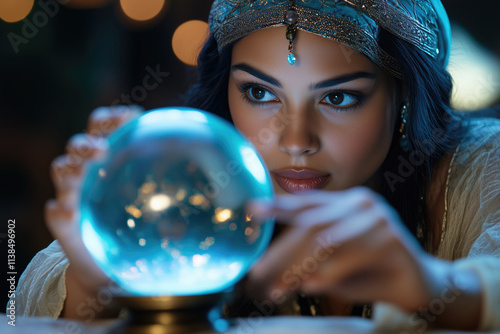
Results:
271 325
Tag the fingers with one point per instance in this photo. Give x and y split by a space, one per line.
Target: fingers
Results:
85 146
309 214
286 251
62 214
62 222
103 121
64 170
326 206
359 285
347 243
67 171
55 212
286 206
327 244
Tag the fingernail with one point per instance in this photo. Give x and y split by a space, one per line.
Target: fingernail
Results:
123 110
118 110
137 109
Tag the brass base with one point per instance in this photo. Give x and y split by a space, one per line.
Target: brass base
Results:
172 314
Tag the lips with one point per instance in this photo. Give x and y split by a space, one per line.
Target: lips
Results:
297 180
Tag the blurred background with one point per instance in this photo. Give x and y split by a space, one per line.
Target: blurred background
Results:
61 59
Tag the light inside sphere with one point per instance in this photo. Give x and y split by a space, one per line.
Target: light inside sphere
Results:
163 213
159 202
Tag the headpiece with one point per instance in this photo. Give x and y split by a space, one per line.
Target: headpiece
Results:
355 23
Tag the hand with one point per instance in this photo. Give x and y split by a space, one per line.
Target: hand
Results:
348 243
62 213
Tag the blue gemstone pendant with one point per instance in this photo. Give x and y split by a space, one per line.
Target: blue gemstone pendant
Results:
291 58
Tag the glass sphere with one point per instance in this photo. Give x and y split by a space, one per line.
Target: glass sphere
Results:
163 212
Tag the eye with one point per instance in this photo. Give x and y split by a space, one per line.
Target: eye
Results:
340 99
260 94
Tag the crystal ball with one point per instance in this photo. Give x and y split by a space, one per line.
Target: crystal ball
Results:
163 213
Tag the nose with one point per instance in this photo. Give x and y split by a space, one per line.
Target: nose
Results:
300 135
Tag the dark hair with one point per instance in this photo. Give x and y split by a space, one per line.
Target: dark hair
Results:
432 128
210 91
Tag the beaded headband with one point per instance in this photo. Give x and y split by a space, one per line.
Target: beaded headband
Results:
354 23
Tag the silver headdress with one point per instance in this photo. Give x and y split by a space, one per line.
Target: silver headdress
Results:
355 23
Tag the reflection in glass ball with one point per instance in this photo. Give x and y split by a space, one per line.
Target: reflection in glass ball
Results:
163 212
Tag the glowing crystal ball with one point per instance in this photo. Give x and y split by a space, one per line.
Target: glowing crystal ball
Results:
163 213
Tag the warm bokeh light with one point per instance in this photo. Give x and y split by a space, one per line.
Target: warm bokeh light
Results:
188 39
134 211
15 10
159 202
142 10
85 4
222 215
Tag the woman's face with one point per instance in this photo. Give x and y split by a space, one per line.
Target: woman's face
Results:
324 123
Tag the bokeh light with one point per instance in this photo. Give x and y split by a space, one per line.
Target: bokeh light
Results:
475 72
188 39
15 10
142 10
85 4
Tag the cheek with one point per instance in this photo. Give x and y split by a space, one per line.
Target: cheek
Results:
253 124
374 133
239 112
241 115
364 144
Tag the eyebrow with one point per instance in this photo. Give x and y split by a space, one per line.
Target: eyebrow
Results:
256 73
323 84
342 79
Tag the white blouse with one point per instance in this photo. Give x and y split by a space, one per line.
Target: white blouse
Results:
472 236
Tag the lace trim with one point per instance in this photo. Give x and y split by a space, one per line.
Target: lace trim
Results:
443 225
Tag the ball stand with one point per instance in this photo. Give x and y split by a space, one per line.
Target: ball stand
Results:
172 314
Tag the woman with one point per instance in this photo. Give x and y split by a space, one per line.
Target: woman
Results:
348 103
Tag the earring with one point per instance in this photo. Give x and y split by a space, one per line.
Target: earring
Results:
403 140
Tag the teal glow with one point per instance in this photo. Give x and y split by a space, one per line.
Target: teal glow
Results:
163 212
